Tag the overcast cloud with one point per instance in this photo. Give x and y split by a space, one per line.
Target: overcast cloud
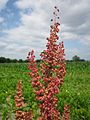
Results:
24 25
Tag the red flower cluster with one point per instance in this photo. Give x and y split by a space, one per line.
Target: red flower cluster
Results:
19 103
66 114
53 72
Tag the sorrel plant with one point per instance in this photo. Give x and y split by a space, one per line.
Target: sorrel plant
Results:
47 84
46 81
19 103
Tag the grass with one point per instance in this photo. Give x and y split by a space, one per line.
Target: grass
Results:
75 90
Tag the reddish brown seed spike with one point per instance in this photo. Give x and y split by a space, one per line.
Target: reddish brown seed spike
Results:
52 56
51 19
58 10
54 13
55 7
58 23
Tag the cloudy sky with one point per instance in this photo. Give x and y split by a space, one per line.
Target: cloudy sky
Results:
24 25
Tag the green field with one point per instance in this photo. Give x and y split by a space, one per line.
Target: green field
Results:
75 90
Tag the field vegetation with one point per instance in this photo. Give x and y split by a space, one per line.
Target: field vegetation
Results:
75 90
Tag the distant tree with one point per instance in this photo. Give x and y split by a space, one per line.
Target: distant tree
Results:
69 60
14 60
82 60
20 60
8 60
76 58
2 59
26 61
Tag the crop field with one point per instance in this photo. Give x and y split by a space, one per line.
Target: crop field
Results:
75 91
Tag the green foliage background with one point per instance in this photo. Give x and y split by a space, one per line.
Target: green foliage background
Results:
75 90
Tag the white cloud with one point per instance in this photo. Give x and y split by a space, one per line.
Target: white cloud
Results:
23 4
71 52
32 32
1 19
34 26
86 40
3 3
82 53
69 36
2 44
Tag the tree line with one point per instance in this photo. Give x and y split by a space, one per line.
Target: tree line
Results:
8 60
